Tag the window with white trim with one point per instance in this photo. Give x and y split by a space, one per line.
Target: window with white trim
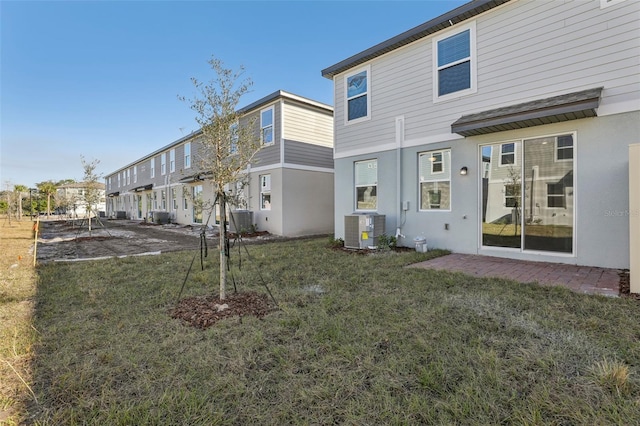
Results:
556 195
511 195
265 192
174 199
454 68
163 195
357 97
135 174
118 179
187 155
163 164
564 148
507 154
172 161
366 184
266 126
128 176
435 180
152 167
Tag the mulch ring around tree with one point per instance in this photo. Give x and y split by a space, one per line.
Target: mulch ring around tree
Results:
204 311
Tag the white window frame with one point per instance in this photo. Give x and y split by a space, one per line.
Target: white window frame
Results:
516 198
515 154
187 155
174 198
441 176
135 174
152 167
272 126
172 161
128 176
367 93
163 164
606 3
434 162
118 179
371 161
471 26
556 148
265 189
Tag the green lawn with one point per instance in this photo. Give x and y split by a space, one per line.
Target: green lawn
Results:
382 344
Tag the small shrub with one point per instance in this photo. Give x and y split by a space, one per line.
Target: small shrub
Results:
336 242
612 375
386 242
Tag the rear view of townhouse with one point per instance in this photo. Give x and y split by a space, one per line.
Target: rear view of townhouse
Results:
289 185
500 128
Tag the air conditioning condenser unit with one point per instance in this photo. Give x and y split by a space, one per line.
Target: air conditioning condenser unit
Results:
361 231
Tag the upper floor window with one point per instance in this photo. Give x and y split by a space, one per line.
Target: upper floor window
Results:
233 136
152 167
454 63
564 148
266 126
366 183
135 174
163 163
128 177
357 100
118 179
507 154
187 155
172 161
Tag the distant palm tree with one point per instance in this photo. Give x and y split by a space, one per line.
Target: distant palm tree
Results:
19 190
47 188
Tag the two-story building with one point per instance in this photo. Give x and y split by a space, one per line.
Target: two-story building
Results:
289 185
71 199
502 127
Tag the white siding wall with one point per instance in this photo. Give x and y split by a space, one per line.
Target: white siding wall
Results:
526 49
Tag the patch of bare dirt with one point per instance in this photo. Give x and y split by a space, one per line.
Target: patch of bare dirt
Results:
202 312
625 286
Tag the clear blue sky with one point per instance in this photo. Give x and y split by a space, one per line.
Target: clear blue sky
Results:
101 79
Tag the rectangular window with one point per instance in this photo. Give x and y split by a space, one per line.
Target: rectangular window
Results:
357 99
118 180
435 180
366 184
135 174
507 154
163 163
511 195
454 63
187 155
155 200
128 176
197 203
233 139
266 126
564 148
265 192
163 195
174 199
109 182
185 202
556 195
172 161
152 167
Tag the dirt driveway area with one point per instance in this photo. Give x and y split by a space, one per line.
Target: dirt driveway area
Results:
62 240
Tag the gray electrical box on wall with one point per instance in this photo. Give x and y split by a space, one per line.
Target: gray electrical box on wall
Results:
362 230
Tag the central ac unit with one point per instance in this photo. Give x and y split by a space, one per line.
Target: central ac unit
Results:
362 230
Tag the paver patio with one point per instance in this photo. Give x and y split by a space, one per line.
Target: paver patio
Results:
583 279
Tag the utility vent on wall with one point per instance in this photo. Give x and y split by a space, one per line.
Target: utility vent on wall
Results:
362 230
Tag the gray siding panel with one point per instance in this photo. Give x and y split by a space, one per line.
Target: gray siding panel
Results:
306 154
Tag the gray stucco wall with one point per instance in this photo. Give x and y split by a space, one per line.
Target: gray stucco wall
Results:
601 192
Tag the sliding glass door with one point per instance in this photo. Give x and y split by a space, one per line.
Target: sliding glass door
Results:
527 194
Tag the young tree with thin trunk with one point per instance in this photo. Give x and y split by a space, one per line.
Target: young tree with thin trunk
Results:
228 141
91 194
20 190
47 188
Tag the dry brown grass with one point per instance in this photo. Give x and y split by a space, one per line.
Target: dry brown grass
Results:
17 290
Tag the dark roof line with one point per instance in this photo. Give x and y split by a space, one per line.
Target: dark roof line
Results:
455 16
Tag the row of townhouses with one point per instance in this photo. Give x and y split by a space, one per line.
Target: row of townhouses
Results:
289 187
503 127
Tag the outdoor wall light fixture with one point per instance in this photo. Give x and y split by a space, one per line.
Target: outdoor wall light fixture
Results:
463 171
